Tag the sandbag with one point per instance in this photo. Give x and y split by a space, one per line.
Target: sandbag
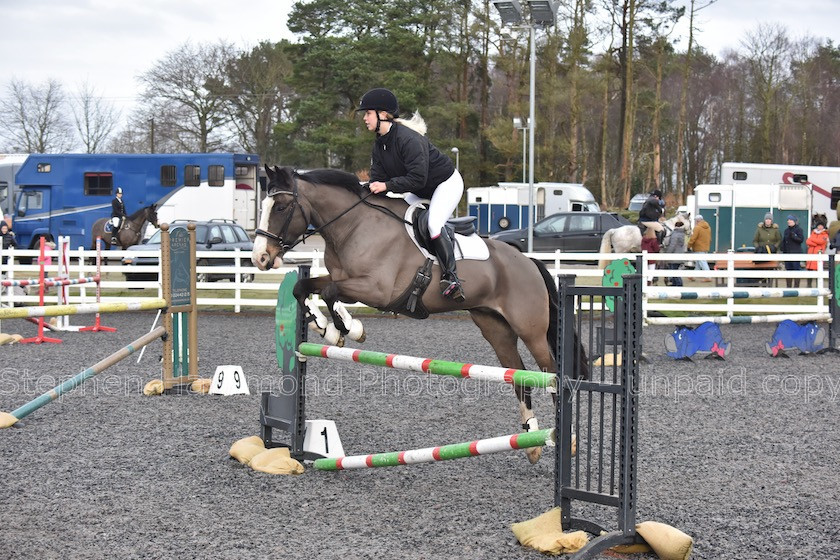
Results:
669 543
608 360
276 461
7 420
153 387
545 534
6 339
201 385
246 449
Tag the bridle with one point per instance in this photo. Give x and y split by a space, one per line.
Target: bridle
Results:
296 204
285 229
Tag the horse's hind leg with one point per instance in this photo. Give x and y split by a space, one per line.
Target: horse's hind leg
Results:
501 337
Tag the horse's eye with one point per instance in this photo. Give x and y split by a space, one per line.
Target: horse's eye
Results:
279 208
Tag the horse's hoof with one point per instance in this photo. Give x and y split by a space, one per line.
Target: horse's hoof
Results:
533 454
362 338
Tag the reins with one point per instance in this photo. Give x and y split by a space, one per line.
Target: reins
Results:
363 199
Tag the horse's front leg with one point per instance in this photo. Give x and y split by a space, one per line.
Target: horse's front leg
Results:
342 321
302 290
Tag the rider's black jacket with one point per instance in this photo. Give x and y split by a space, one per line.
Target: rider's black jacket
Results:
651 211
407 162
117 208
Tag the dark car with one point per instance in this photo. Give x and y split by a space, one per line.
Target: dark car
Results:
571 232
213 235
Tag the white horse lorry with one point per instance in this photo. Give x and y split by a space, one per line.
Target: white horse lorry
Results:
734 211
823 181
505 206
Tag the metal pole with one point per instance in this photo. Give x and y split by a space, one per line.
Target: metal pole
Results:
524 155
531 125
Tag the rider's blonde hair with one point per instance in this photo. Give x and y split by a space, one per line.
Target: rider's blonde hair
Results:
415 123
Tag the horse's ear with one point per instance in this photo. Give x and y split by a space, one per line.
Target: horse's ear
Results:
288 175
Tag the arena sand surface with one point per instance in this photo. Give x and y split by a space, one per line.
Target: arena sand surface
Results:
741 454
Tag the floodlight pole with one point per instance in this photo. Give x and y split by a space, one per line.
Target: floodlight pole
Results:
531 125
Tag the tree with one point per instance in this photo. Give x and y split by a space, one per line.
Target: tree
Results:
257 93
184 82
95 119
33 118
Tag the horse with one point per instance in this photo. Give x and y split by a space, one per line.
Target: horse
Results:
131 232
372 259
623 239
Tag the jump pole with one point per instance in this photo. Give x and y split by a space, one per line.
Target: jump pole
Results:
499 444
80 309
9 419
97 325
425 365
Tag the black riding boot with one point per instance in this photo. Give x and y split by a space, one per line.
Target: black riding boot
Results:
450 285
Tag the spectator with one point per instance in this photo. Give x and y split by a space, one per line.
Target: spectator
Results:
700 241
817 243
651 244
791 244
8 239
676 244
767 237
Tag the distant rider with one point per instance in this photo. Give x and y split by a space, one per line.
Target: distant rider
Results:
651 213
117 216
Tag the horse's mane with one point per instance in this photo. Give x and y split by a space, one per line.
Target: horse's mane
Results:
333 177
138 213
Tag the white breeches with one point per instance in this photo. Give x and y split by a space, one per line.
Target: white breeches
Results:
444 201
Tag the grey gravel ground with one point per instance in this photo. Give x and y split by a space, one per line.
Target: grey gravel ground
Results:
741 454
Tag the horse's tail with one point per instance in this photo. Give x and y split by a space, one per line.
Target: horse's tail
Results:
551 335
606 247
553 302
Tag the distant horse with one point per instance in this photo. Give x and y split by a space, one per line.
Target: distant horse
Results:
372 259
624 239
131 232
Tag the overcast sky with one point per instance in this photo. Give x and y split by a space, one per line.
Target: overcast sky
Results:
108 43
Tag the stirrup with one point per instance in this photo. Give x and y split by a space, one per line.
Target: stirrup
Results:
452 290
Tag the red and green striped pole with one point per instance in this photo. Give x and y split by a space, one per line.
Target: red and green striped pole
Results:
426 365
9 419
537 438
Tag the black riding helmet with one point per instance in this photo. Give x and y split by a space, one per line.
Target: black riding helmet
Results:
380 99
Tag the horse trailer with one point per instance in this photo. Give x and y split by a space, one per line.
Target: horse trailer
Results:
505 206
9 166
735 211
823 181
64 194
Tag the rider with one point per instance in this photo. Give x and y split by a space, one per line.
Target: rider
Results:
117 215
404 161
651 213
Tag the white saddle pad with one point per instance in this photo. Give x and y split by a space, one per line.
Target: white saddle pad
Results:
470 247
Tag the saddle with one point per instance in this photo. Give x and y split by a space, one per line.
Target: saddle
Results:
462 226
410 302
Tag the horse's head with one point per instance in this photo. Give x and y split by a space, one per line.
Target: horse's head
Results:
282 218
151 215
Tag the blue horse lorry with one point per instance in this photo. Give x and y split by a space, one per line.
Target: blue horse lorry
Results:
64 194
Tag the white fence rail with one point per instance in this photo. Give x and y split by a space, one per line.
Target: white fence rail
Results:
249 288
